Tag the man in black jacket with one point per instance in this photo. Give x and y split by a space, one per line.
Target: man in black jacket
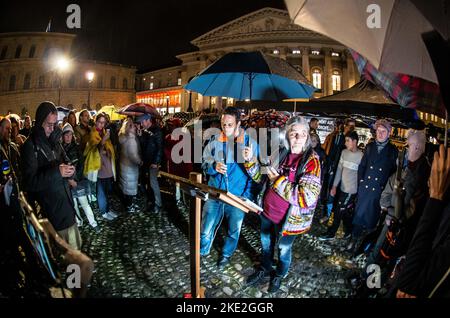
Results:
151 142
427 265
45 174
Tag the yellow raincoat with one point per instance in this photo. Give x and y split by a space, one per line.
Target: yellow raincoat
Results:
92 163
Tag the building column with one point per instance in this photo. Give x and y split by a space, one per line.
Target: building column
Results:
305 62
352 72
327 72
345 75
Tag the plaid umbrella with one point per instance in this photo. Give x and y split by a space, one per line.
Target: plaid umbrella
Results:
408 91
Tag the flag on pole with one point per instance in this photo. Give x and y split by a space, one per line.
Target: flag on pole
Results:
48 26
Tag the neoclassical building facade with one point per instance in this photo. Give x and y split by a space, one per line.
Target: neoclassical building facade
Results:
326 63
38 66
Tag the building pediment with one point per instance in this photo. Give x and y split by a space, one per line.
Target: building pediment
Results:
264 23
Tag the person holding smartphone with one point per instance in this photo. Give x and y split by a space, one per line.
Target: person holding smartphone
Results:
79 184
99 165
290 194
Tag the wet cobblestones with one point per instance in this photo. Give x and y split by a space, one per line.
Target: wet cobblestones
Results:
146 255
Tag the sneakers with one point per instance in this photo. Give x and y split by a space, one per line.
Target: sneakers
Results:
275 284
326 237
107 216
156 210
131 209
223 261
113 214
96 229
256 277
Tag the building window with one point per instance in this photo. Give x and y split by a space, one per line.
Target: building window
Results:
276 51
46 52
12 83
334 54
296 52
27 81
18 51
315 52
336 80
125 83
72 81
41 83
32 51
112 83
317 78
55 83
151 85
3 54
179 82
100 82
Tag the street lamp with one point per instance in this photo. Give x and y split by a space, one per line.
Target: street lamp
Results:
190 103
90 77
62 64
167 105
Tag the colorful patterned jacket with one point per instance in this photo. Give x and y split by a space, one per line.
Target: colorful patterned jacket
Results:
302 194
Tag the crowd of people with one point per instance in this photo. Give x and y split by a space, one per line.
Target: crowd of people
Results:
393 203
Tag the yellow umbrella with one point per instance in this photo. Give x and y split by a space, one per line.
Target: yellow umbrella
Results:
111 111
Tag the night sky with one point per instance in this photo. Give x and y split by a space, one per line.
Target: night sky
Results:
147 34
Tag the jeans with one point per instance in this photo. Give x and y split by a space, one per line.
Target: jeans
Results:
84 203
343 210
153 176
271 236
104 187
213 213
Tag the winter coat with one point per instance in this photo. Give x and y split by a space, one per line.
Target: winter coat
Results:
415 184
151 142
237 181
302 195
373 173
43 181
82 135
92 163
181 169
73 151
428 258
130 160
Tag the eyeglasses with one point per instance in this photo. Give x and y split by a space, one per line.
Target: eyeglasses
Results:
230 125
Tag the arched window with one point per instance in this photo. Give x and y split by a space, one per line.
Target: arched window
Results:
336 80
72 81
125 83
32 51
18 51
100 82
112 83
317 78
46 52
41 82
12 83
27 81
3 54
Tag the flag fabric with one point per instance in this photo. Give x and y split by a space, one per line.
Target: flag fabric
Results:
49 25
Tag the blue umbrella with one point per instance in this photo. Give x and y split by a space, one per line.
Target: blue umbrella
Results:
253 76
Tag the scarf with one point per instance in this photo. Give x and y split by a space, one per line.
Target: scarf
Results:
381 145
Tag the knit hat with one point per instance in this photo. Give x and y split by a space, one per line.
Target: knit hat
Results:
67 128
384 123
42 112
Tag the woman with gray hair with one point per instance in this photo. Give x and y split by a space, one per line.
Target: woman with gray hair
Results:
289 198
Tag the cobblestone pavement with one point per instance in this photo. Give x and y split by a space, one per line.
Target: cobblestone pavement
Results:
143 255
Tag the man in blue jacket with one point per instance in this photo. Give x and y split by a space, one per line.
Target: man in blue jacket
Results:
223 163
